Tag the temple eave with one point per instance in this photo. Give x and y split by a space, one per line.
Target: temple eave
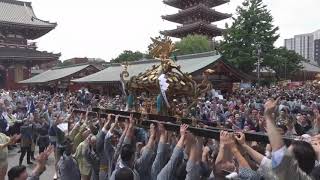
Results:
180 34
181 18
178 3
34 32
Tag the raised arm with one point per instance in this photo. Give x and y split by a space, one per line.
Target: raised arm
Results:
163 147
120 143
168 171
256 156
113 125
129 135
107 124
10 141
236 153
274 135
224 154
41 164
193 165
145 161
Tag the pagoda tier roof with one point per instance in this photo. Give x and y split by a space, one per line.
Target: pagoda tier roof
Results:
202 11
20 15
194 28
22 54
183 4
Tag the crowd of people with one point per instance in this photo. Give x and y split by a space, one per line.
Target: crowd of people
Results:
86 146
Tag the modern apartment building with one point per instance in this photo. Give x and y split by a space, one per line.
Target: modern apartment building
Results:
307 45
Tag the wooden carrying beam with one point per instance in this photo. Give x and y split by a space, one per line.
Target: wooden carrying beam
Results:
169 124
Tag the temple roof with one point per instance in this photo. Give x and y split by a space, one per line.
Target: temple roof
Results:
201 11
189 64
308 67
55 74
194 28
26 54
20 15
182 4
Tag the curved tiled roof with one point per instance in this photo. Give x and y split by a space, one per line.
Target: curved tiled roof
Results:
188 63
197 27
199 10
23 54
54 74
308 67
20 14
180 4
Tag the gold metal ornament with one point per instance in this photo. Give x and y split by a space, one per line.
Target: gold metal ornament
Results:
180 84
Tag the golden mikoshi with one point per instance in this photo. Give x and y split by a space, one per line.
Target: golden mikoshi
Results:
180 84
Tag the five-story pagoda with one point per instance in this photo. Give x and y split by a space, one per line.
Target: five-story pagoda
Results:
196 17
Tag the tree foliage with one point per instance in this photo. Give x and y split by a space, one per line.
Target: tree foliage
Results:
284 62
250 31
128 56
193 44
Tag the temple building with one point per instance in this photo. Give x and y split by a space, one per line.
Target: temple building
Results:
108 82
196 17
59 78
18 26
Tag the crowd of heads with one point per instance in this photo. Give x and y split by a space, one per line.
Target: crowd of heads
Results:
86 146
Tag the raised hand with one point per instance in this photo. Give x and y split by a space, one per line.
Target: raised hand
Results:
126 124
240 137
87 115
43 157
152 130
205 154
109 117
227 138
206 151
223 137
131 121
116 120
161 127
163 133
270 106
183 129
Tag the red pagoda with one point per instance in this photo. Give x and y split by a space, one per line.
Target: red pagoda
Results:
19 25
196 17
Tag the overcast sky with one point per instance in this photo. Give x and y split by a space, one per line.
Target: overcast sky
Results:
104 28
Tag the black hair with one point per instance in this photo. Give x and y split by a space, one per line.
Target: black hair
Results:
124 174
15 172
127 152
305 155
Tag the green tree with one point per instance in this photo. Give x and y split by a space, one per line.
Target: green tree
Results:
193 44
128 56
251 31
284 62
